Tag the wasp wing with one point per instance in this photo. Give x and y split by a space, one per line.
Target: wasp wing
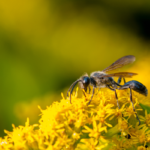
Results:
120 63
120 74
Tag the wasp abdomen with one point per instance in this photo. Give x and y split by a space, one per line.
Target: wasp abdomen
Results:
137 86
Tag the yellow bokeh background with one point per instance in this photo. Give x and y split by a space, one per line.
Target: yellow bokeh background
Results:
45 45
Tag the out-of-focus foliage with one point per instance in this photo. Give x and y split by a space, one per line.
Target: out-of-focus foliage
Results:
47 44
143 70
23 109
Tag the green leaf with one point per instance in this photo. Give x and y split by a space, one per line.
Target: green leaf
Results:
145 107
113 131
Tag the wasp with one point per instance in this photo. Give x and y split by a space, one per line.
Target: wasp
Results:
102 79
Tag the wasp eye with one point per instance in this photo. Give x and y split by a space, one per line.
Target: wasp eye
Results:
86 81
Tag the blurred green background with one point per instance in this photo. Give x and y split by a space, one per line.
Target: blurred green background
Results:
45 45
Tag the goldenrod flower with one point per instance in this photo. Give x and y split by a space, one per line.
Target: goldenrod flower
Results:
141 148
79 126
146 119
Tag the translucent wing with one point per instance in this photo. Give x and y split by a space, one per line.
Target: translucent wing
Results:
120 74
120 63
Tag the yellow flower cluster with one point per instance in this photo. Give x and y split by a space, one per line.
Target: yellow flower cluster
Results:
78 126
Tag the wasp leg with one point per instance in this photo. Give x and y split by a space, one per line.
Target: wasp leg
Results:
99 89
92 95
133 106
124 80
85 90
138 87
119 80
89 89
115 95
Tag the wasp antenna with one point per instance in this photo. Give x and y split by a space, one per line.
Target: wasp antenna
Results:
72 87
